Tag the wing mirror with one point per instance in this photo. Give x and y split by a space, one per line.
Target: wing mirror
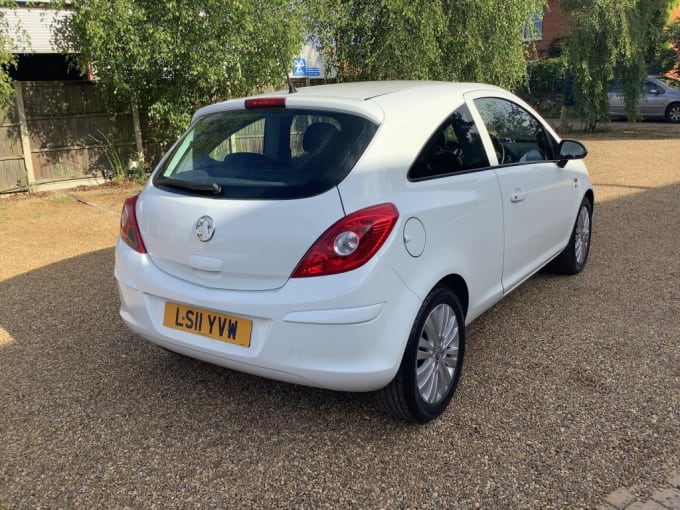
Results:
570 149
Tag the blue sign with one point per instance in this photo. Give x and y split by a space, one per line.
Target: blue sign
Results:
313 71
299 67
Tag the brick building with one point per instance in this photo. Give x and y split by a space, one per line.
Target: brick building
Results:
549 29
547 32
554 29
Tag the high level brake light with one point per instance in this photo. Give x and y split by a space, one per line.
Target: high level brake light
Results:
349 243
129 229
265 102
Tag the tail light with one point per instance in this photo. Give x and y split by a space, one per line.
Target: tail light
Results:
349 243
129 230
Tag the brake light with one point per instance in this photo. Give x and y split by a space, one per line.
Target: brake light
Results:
266 102
129 230
349 243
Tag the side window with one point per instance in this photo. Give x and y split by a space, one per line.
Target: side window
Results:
653 88
616 86
517 136
455 146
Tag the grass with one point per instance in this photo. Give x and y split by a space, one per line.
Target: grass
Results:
64 198
621 130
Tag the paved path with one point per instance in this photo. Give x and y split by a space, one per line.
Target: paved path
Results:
631 498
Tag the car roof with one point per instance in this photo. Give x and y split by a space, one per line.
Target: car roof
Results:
372 89
370 98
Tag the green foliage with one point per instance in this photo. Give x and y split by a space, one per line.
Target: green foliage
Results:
176 55
358 37
544 87
669 58
608 39
7 59
470 40
546 76
117 167
173 56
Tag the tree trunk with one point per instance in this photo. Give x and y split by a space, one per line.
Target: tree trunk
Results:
138 132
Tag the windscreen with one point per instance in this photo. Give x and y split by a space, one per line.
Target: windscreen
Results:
670 82
272 153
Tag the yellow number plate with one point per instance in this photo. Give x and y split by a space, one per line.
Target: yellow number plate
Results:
218 326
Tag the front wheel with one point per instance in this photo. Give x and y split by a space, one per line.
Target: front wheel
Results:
673 112
573 258
432 362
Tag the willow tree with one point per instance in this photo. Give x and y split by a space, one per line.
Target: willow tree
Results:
172 56
673 51
393 39
484 40
424 39
610 39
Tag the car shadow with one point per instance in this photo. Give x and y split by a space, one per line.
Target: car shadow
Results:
66 344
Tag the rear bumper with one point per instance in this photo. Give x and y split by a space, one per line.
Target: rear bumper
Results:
342 332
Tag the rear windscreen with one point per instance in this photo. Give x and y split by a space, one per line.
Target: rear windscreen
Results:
265 153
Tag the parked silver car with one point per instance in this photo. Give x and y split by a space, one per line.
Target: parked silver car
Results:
659 100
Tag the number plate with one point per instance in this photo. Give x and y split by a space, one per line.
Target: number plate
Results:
218 326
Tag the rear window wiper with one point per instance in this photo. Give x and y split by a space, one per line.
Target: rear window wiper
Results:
208 188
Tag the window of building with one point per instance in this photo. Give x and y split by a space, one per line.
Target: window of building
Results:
533 31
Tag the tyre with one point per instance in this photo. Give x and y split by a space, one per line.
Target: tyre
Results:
573 258
432 362
673 112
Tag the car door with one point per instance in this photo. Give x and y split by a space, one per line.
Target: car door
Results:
454 194
653 103
537 194
617 106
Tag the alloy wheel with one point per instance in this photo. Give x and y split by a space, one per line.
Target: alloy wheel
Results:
438 350
674 113
582 235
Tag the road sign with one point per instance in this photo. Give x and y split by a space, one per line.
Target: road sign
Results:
299 67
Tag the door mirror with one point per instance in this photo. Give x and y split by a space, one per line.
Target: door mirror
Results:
570 149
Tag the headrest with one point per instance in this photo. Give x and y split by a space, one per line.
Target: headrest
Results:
317 135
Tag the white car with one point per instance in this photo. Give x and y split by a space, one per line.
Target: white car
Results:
345 235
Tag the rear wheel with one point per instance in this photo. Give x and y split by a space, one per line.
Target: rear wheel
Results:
432 362
573 258
673 112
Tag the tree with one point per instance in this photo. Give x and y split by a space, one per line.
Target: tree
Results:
610 39
471 40
7 59
672 52
172 56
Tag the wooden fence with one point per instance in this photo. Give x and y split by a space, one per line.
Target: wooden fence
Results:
12 165
59 134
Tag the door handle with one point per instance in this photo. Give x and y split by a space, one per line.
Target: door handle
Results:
518 195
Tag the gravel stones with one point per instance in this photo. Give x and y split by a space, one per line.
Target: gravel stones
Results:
570 389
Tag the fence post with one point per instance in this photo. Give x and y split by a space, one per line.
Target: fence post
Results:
25 138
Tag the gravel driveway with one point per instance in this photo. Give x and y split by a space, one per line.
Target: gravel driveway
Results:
571 387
